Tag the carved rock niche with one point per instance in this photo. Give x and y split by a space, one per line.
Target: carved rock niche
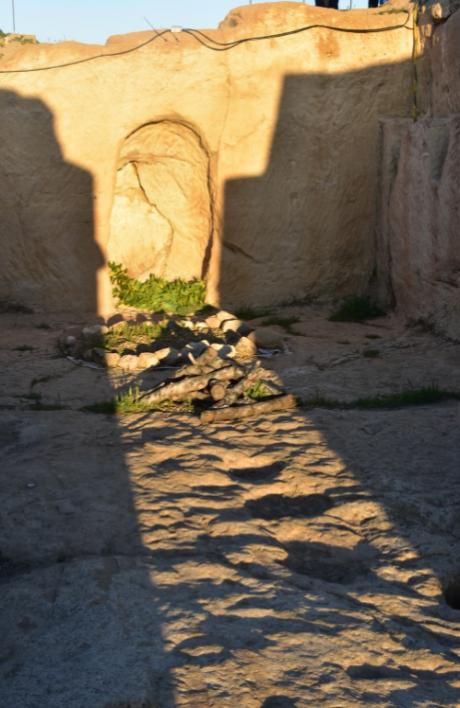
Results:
161 218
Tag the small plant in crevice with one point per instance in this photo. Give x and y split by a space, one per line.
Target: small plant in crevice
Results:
178 296
258 390
356 309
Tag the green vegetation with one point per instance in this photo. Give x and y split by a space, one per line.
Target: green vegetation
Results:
19 39
409 397
155 294
356 309
137 332
166 333
285 322
258 390
131 402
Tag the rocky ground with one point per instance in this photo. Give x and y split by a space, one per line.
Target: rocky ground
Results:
305 558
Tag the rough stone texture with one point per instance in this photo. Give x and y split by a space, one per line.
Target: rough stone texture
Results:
419 222
161 216
420 229
289 127
445 59
298 560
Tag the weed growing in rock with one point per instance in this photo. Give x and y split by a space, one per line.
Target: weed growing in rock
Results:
356 309
258 391
156 294
137 332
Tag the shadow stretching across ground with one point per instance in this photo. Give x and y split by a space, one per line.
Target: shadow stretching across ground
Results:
160 573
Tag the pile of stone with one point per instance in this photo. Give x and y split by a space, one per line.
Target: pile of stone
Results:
223 333
217 370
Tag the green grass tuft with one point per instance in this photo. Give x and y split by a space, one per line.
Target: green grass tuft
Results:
155 294
129 332
409 397
356 309
258 391
131 402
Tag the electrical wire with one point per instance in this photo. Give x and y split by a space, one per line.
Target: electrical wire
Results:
208 42
86 59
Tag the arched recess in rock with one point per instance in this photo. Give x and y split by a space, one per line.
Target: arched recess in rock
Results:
162 214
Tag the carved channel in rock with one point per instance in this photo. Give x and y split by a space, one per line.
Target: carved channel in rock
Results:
161 217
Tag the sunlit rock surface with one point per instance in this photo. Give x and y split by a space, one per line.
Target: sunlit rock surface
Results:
268 188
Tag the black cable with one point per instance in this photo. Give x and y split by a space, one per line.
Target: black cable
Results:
221 46
224 46
83 61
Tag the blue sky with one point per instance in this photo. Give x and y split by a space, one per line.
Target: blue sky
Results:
95 20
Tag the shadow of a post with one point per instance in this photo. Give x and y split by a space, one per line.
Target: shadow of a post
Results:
83 528
305 227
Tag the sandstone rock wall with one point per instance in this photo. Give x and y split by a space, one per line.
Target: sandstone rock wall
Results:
419 225
256 166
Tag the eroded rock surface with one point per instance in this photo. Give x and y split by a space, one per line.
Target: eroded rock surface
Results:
161 217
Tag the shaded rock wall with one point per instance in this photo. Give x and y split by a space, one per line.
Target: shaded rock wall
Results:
255 166
419 227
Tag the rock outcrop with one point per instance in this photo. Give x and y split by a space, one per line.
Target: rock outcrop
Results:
256 166
419 226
